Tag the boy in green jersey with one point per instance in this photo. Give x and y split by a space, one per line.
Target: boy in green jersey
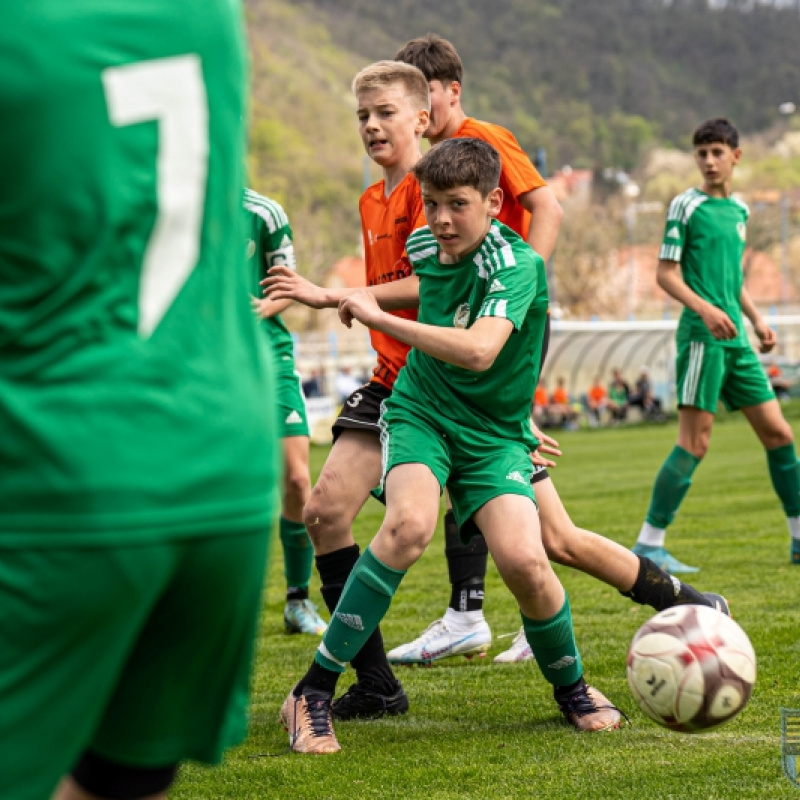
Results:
458 416
271 242
700 265
138 444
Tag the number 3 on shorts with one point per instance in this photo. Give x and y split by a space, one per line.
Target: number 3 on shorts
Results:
171 91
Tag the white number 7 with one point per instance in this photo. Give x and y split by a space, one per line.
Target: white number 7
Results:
171 91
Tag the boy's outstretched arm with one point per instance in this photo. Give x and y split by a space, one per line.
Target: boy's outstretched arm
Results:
668 277
473 348
546 215
285 284
766 336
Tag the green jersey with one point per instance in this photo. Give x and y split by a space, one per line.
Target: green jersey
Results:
132 371
503 278
706 236
270 240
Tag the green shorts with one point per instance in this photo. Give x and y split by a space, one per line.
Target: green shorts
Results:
141 654
708 372
291 404
475 466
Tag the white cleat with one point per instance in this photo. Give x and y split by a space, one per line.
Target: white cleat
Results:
442 639
520 650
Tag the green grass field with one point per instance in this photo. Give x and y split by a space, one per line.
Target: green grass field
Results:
479 730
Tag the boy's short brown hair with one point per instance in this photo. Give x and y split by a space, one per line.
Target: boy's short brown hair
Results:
716 130
389 73
435 56
460 162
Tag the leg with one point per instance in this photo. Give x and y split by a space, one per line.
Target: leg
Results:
511 527
671 485
300 614
463 629
776 435
411 514
633 576
352 469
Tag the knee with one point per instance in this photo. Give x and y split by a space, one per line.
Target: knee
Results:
323 515
527 577
779 437
407 531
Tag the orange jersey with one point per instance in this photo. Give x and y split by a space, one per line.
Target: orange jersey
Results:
386 223
597 393
540 396
559 396
518 176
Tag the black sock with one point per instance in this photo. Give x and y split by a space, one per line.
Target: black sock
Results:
319 678
563 692
657 588
466 564
296 593
371 666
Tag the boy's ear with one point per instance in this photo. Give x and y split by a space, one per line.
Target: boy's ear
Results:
455 92
495 198
423 119
737 154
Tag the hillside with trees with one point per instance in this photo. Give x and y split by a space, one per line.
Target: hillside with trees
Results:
598 85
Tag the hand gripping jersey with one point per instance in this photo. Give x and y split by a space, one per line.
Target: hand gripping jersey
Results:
386 223
132 372
270 241
706 236
504 278
518 176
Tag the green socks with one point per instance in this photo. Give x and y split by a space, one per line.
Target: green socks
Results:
298 554
785 473
365 600
672 482
553 644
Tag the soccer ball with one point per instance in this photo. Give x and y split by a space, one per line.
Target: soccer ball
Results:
691 668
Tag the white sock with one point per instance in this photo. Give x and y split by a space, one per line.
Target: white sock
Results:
794 527
463 619
651 536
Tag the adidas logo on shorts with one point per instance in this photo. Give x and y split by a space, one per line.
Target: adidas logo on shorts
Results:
293 418
515 475
351 620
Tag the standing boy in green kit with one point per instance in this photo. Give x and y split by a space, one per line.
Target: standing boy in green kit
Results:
270 241
700 265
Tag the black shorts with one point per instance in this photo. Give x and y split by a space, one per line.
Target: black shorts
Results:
362 410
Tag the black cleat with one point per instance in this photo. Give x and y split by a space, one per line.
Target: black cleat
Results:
718 602
359 702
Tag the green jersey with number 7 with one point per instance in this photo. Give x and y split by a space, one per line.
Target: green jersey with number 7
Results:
133 377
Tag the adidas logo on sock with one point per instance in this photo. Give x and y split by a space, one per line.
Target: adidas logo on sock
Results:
293 418
351 620
676 584
563 662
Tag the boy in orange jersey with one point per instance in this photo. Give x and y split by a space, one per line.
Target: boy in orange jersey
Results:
392 115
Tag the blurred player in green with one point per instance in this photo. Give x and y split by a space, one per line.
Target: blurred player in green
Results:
700 265
270 241
458 416
139 471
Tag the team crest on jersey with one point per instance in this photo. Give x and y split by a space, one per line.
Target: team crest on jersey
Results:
741 229
251 248
461 317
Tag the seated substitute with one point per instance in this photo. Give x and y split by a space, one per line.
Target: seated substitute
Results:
458 416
